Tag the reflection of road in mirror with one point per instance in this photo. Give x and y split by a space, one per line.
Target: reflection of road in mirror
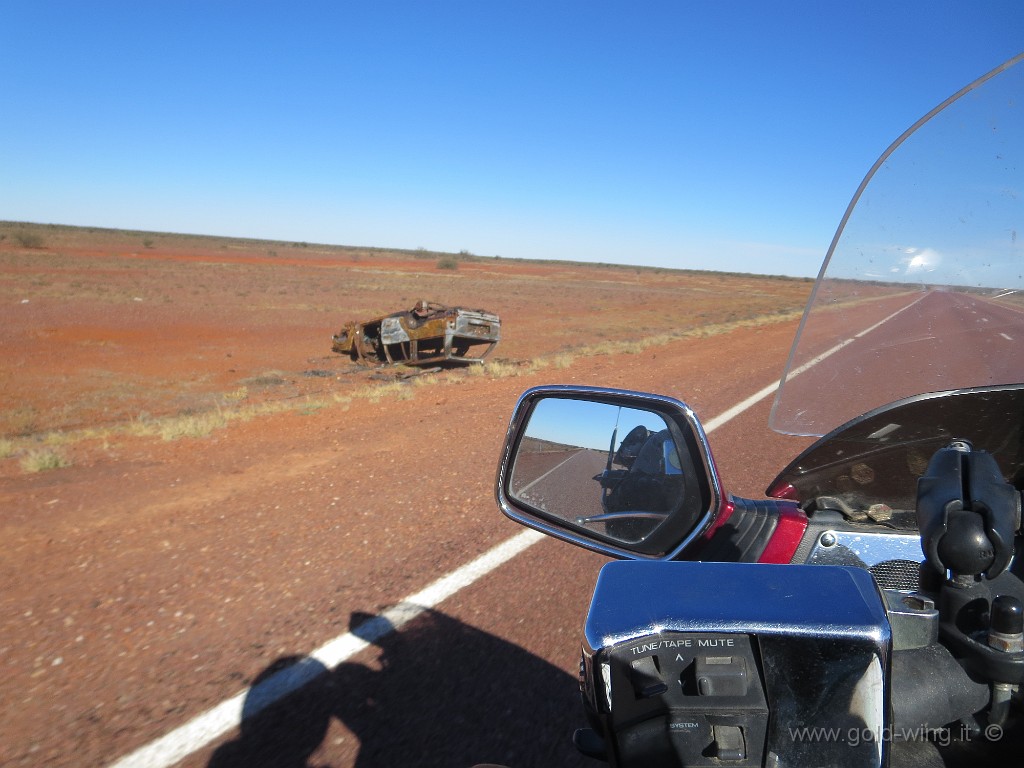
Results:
626 496
440 693
558 479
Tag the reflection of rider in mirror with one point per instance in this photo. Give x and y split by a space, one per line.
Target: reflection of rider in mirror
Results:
631 444
653 482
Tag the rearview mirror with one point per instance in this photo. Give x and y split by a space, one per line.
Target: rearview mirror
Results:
622 473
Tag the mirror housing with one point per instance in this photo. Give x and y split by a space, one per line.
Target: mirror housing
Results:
626 474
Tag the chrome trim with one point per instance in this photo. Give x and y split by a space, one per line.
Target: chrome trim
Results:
660 403
794 611
864 550
625 515
754 598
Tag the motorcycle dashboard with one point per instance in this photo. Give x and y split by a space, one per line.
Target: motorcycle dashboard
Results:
881 455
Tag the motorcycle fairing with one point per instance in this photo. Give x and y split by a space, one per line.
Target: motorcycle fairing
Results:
881 454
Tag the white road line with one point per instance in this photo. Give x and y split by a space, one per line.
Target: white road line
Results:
883 321
771 388
214 723
1008 338
739 408
528 486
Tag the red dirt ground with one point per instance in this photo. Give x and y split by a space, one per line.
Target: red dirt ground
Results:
151 578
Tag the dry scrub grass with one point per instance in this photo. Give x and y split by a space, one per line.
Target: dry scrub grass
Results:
498 369
378 392
43 459
192 425
236 405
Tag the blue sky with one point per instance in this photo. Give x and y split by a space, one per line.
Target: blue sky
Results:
701 135
587 424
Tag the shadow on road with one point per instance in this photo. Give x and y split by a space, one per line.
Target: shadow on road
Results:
445 694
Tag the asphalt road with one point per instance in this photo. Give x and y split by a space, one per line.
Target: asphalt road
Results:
884 350
563 483
489 675
207 576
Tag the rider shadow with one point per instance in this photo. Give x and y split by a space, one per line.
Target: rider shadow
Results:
441 694
287 731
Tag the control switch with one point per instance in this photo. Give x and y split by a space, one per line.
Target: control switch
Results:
646 677
721 676
728 743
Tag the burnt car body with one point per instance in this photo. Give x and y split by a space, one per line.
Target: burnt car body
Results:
427 333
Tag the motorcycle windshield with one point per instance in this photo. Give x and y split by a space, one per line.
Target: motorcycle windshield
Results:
922 287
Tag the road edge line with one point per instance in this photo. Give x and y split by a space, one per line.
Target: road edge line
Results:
204 728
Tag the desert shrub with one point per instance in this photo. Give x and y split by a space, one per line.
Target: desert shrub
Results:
563 360
447 262
28 239
426 380
22 421
57 437
42 459
266 379
377 392
6 448
499 369
192 425
238 395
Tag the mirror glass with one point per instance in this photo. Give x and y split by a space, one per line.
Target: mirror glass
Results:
599 467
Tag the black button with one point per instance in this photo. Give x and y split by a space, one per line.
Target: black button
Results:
646 677
721 676
728 742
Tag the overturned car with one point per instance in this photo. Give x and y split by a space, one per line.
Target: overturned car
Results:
427 333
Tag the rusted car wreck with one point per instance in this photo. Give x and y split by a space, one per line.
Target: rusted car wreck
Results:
427 333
